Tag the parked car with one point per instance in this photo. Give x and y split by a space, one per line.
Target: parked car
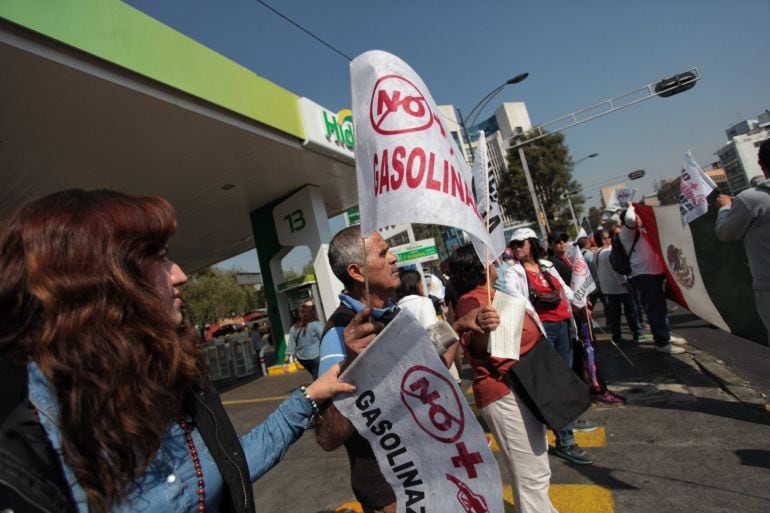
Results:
228 329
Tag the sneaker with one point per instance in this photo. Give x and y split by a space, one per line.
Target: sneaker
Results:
669 349
677 341
645 338
575 454
584 425
608 397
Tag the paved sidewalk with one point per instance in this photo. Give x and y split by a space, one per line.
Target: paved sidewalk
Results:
686 441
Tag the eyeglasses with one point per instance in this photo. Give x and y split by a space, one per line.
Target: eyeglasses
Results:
517 243
562 238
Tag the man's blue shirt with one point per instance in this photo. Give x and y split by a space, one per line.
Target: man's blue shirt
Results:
333 343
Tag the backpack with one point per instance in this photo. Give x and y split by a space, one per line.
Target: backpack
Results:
619 259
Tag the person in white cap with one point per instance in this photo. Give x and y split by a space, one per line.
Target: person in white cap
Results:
532 278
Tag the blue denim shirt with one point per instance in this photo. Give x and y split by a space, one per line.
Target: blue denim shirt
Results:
169 484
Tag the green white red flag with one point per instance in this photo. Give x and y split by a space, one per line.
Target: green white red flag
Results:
708 277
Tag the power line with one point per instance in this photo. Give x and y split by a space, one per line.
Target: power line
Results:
306 31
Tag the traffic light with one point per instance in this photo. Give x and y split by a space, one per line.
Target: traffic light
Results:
676 84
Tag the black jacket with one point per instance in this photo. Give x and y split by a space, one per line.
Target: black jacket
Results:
31 476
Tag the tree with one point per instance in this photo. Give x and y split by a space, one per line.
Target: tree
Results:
594 217
667 191
213 293
551 169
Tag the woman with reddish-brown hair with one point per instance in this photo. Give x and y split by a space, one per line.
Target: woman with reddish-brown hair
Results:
104 400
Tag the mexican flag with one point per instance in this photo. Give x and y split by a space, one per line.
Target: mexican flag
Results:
708 277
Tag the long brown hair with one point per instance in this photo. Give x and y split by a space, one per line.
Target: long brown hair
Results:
77 300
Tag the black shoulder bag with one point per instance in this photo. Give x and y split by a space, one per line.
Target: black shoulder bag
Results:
547 301
547 385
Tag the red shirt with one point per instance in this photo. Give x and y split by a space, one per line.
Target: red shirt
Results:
538 282
489 388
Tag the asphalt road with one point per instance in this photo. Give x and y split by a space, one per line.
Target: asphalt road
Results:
683 443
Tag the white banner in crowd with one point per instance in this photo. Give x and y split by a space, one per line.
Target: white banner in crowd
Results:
428 444
694 189
408 167
485 191
582 281
621 197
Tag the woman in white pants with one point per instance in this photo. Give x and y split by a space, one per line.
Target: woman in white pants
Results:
521 436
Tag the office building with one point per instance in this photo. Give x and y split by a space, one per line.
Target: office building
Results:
739 154
498 129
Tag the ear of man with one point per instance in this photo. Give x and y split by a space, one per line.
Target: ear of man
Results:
356 272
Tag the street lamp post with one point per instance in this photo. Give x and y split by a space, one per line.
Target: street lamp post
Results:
568 195
531 186
479 107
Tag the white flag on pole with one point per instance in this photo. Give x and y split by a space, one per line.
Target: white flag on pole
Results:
485 192
426 439
408 166
694 189
582 282
621 197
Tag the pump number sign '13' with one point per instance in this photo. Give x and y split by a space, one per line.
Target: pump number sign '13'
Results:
408 166
427 442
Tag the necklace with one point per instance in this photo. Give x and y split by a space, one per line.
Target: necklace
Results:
197 462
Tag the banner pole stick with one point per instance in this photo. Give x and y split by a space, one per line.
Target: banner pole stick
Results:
366 272
591 331
486 247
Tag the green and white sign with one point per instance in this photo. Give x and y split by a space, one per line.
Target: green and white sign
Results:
415 252
327 132
352 216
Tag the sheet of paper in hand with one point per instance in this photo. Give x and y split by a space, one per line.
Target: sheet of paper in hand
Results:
505 340
428 444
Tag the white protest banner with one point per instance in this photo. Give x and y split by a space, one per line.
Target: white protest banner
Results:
427 442
485 192
621 197
694 189
408 168
582 282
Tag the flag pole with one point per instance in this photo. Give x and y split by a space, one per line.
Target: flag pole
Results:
366 272
486 247
591 331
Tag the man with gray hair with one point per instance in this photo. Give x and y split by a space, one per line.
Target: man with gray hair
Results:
747 217
352 326
346 258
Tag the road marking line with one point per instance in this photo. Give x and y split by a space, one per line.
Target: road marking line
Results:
597 438
349 507
572 498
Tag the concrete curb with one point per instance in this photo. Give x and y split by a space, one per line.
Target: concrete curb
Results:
728 380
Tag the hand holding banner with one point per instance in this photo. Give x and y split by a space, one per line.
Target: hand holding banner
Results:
427 442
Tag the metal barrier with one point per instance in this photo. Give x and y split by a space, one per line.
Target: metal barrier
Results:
219 359
242 354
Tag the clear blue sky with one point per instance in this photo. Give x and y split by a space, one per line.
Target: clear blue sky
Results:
577 54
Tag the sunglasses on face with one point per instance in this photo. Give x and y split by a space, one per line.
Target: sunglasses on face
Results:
517 243
562 238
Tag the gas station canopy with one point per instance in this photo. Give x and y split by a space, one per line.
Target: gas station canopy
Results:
96 94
